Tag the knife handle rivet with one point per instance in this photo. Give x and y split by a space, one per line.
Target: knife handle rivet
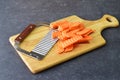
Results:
31 27
20 38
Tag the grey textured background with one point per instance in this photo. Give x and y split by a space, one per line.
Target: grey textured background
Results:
100 64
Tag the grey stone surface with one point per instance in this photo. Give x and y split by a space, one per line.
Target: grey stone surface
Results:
99 64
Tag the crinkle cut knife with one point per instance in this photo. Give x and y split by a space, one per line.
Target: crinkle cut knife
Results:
42 48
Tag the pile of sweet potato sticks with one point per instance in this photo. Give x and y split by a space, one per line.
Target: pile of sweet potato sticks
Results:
70 34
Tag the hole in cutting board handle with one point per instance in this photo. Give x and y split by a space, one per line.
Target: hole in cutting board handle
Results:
108 19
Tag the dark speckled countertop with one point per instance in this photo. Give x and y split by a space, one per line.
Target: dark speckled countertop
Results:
100 64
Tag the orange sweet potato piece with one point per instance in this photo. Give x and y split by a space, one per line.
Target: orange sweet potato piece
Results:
54 25
55 34
69 48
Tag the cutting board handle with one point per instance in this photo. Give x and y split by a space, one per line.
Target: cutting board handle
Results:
107 21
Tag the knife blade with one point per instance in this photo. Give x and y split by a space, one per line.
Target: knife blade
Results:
42 48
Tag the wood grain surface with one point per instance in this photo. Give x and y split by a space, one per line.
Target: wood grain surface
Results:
53 58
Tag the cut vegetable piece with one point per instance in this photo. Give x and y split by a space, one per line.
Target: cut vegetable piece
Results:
62 37
85 39
63 26
70 41
81 27
84 31
55 34
74 31
54 25
65 34
60 49
69 48
69 33
74 25
88 33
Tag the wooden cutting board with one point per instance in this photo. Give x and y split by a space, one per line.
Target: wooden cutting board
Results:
53 58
